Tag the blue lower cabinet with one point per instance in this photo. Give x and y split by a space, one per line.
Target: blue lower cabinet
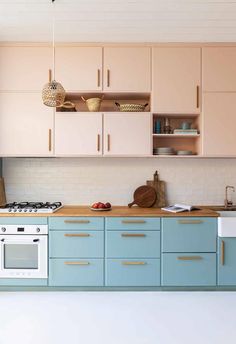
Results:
76 272
133 244
81 244
187 269
226 261
24 282
133 223
132 272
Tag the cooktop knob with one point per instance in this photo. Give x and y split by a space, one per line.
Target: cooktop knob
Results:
3 229
38 229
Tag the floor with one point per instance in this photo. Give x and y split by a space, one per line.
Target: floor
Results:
117 317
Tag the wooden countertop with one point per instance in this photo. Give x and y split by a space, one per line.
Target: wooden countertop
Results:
120 211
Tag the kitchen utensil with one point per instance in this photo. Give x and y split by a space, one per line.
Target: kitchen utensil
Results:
159 186
131 107
157 127
184 152
144 196
185 125
167 128
67 107
93 104
2 192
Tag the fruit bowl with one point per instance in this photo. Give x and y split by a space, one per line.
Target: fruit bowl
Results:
99 206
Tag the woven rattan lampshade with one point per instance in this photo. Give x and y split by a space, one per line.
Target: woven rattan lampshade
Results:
53 94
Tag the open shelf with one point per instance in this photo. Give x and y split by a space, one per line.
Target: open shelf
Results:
185 136
108 102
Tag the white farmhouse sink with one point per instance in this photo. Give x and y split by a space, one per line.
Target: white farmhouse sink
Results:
227 223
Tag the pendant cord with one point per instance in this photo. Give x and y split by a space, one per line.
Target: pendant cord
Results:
53 40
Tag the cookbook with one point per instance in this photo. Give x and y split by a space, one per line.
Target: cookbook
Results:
178 208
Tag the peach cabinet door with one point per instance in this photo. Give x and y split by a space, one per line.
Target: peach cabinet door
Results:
26 125
176 80
127 69
79 68
24 68
127 133
78 133
219 124
219 69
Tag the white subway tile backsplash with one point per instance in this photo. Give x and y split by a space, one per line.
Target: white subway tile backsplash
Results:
86 180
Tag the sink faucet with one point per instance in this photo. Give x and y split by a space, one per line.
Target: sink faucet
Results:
228 203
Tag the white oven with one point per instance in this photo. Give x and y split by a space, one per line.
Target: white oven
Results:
24 251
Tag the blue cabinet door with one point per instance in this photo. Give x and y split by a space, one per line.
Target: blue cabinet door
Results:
186 269
226 261
189 234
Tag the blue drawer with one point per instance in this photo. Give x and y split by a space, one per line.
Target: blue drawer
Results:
83 244
76 223
76 272
133 244
188 270
23 220
132 272
133 223
189 234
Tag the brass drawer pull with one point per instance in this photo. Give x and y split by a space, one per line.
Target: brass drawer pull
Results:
190 222
49 140
76 263
49 75
80 235
77 221
108 143
189 258
130 235
108 78
197 98
133 221
222 252
99 78
133 263
98 143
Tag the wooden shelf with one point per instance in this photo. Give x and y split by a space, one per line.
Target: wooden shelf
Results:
187 136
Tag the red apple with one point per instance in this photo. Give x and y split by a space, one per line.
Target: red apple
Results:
108 205
101 205
95 205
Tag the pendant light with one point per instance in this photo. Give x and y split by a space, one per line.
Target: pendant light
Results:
53 93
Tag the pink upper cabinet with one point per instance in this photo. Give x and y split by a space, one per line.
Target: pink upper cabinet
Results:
219 124
79 68
24 68
219 69
127 69
176 80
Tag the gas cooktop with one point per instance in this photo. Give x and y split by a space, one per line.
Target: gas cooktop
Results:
31 207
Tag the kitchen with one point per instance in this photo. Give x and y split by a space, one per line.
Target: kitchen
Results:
160 100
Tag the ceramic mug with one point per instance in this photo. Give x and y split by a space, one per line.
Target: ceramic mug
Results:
185 125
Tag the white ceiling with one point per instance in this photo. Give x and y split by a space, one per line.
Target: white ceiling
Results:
119 20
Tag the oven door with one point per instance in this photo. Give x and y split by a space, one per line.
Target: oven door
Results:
23 256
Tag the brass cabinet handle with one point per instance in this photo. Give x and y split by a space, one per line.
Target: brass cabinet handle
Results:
98 143
49 140
108 78
77 221
76 263
133 263
222 252
197 97
190 222
99 78
129 235
133 221
81 235
189 258
108 143
49 75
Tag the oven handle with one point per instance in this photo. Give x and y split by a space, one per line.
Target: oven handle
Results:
35 240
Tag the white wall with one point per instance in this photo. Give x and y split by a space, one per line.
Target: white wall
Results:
86 180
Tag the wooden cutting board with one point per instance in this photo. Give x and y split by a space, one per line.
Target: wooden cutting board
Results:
159 186
2 192
144 196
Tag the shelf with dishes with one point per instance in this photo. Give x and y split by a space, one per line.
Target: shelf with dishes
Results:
176 135
106 102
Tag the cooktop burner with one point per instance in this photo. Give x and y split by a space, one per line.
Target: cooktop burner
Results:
31 207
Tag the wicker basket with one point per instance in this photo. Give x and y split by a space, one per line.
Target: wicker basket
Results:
67 107
93 104
131 107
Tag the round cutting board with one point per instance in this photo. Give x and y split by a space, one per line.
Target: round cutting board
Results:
144 196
